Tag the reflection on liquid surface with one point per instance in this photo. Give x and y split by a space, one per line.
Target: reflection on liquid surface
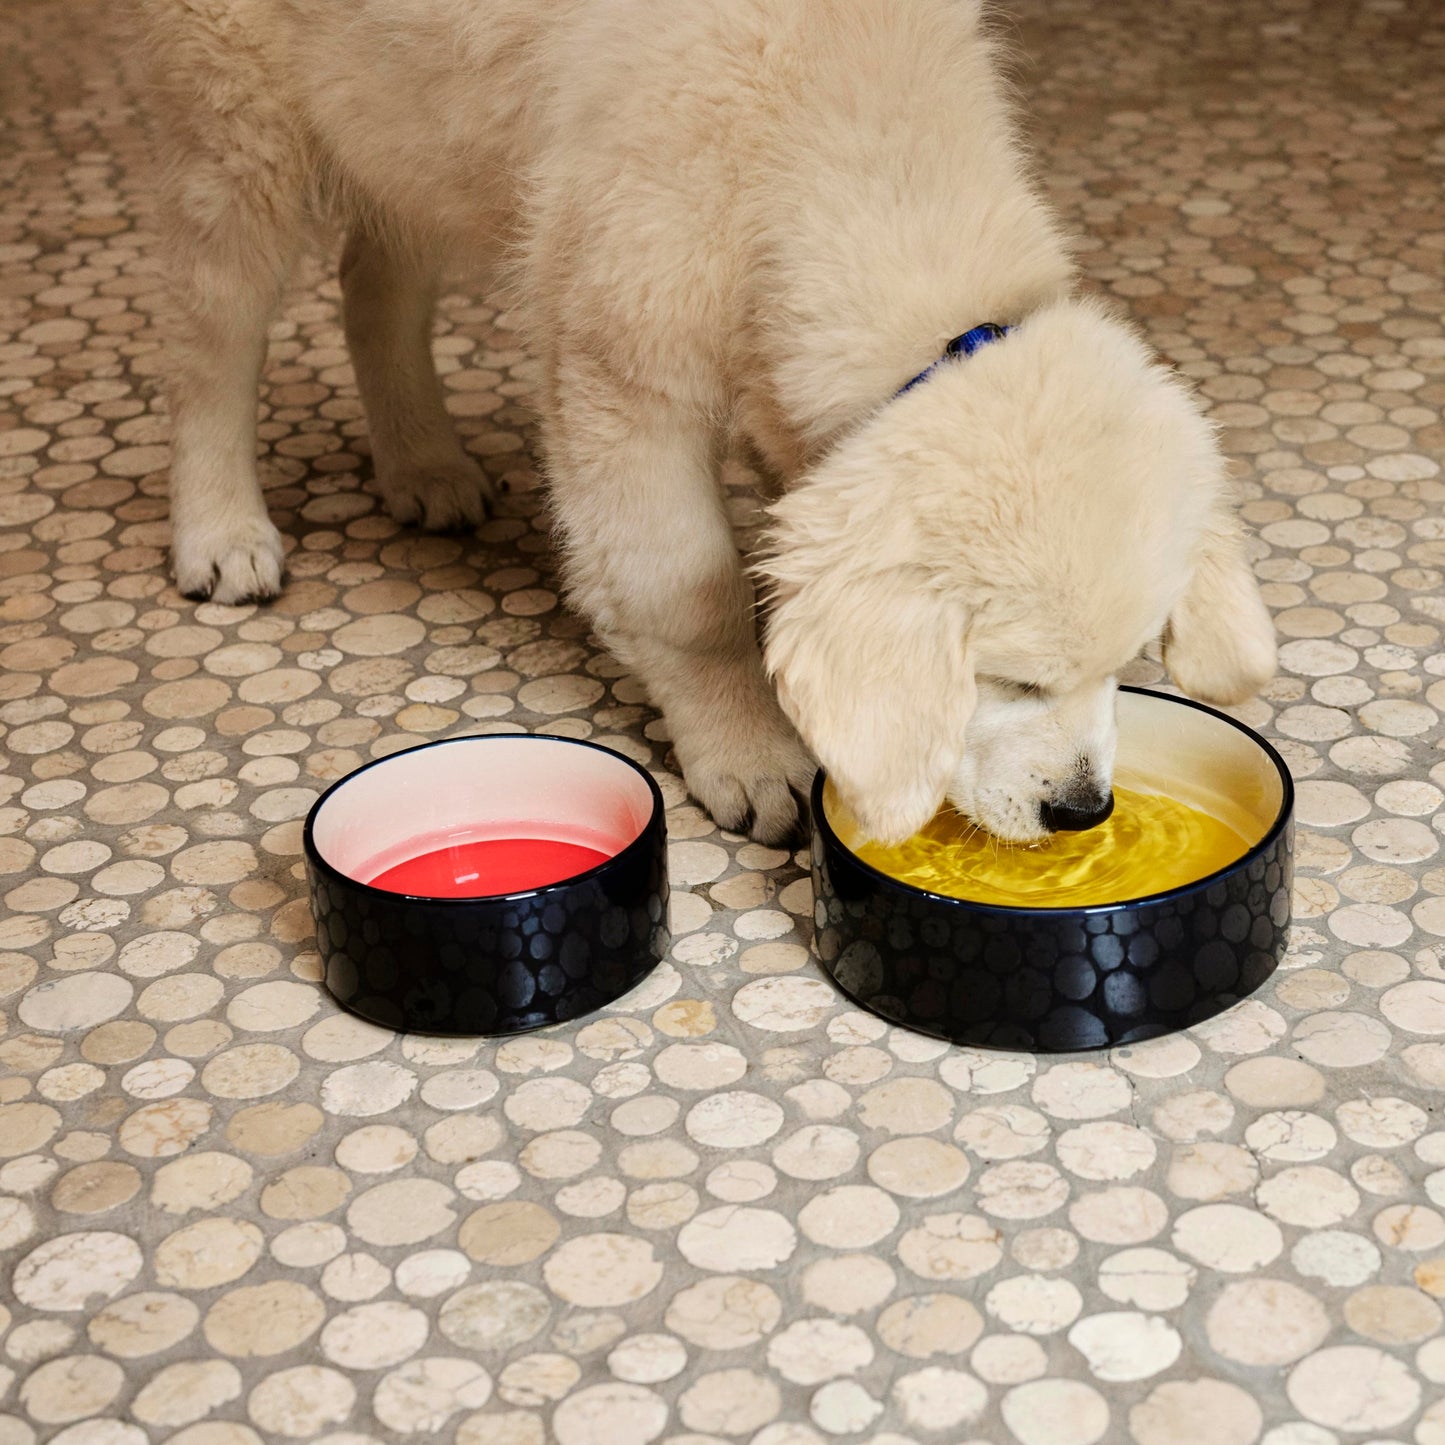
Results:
1150 843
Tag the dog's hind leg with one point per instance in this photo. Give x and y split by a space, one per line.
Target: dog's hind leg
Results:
652 560
228 263
231 213
422 472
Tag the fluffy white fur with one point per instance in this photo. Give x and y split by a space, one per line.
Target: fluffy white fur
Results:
960 580
728 222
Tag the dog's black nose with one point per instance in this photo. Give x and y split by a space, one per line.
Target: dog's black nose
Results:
1076 814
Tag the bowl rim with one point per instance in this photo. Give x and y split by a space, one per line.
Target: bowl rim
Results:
1002 910
317 860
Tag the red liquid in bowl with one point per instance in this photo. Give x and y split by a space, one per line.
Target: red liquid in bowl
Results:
494 865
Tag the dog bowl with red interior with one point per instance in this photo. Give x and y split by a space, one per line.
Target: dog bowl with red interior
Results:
1074 978
488 885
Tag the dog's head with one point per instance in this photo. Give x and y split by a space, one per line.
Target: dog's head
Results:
957 584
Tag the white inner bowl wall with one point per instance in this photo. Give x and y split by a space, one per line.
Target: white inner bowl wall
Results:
1166 746
477 789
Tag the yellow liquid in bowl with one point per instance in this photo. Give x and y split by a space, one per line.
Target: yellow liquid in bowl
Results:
1150 843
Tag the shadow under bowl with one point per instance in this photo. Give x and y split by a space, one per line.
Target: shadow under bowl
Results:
1056 980
503 963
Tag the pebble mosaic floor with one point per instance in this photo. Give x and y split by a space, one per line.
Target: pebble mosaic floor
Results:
733 1208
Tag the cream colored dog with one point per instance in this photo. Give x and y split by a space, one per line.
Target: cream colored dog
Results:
728 221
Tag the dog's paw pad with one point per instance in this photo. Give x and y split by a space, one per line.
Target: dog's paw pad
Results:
766 801
231 570
445 498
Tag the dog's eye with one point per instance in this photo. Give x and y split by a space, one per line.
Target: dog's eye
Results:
1015 688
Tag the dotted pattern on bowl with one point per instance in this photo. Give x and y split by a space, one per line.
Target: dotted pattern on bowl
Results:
733 1208
1036 982
494 967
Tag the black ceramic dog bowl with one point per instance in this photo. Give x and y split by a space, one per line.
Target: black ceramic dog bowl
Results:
1061 979
521 952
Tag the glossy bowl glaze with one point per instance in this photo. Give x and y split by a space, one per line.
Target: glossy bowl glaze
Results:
1064 979
504 963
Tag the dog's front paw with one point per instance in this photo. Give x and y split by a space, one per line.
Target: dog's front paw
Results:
242 564
444 497
756 785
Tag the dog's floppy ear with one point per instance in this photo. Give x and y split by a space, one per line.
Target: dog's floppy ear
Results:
872 670
1219 644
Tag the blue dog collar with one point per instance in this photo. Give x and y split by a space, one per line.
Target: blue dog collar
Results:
964 345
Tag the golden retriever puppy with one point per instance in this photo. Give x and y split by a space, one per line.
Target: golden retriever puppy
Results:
727 222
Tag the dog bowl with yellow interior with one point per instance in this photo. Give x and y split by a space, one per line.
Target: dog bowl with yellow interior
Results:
488 885
1168 913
